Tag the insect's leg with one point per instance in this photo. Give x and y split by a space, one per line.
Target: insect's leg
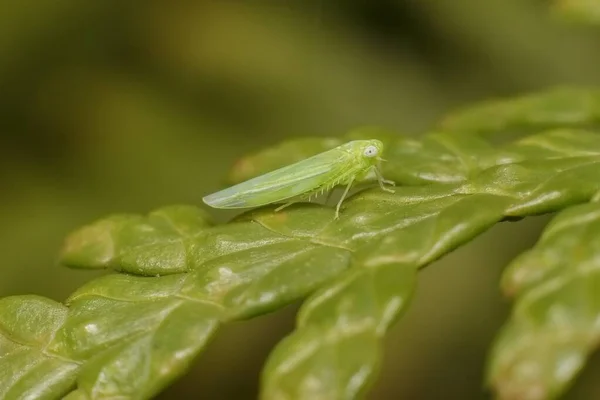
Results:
380 175
386 189
339 204
281 207
382 181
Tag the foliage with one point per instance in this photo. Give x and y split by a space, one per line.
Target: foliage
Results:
178 276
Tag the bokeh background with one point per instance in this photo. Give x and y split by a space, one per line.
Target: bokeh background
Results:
126 105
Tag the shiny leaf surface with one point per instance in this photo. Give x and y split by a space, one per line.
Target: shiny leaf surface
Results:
177 276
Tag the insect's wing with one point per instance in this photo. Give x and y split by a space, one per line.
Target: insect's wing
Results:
284 183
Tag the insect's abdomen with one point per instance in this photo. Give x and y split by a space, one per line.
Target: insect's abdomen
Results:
284 183
255 196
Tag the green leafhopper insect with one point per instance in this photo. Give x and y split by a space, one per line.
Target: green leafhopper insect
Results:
343 165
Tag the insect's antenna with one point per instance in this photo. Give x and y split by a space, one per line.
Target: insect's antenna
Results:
381 159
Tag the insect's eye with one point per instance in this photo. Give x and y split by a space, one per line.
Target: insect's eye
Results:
371 151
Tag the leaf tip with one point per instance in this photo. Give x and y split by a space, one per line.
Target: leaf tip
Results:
89 247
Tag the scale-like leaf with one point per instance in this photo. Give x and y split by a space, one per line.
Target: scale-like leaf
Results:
560 107
554 324
158 244
136 333
29 368
178 276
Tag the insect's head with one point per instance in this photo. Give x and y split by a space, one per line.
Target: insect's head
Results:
373 149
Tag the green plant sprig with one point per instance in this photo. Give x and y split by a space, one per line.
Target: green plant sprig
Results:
178 277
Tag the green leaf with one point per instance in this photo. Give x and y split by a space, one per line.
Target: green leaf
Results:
553 326
30 369
155 245
136 334
177 276
335 351
560 107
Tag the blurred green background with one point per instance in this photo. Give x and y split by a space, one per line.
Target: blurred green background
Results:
124 106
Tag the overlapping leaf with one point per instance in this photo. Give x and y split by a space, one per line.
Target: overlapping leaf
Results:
30 368
554 325
131 334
